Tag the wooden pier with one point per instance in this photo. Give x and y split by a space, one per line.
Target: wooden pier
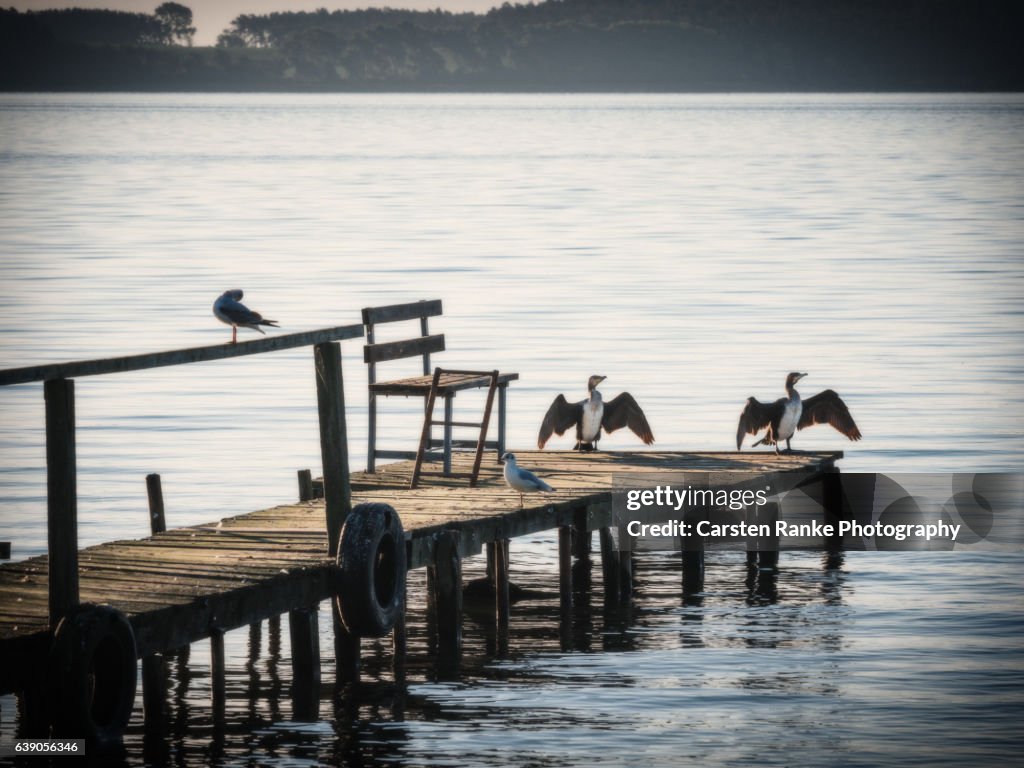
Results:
184 585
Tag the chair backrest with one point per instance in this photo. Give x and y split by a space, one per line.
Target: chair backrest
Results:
423 344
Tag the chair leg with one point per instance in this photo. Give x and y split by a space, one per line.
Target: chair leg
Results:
448 433
501 420
371 431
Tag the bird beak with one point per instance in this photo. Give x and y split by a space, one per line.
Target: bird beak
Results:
800 376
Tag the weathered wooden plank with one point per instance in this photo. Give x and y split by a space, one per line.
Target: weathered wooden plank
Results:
177 356
397 312
396 350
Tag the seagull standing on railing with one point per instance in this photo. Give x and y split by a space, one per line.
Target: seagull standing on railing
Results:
230 310
522 480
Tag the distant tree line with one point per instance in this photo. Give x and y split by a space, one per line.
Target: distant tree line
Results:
651 45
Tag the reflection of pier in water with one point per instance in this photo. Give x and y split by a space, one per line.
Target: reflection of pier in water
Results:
368 715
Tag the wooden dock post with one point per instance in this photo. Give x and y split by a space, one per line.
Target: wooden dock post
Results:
154 678
61 497
832 502
5 550
693 550
768 546
305 485
155 493
446 597
330 395
218 685
154 674
303 630
581 538
346 649
609 566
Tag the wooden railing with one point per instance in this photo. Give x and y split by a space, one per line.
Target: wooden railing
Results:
61 466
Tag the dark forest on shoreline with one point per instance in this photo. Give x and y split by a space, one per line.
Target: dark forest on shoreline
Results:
557 45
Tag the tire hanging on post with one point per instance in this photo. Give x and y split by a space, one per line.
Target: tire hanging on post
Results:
372 564
92 675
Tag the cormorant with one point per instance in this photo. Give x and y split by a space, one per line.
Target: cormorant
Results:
591 415
521 479
229 309
788 414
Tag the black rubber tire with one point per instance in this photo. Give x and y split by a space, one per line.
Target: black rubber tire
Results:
372 562
92 675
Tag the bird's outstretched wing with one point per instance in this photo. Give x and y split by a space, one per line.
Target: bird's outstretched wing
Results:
755 417
560 416
828 408
623 411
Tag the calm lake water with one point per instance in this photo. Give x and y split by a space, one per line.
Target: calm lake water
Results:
694 249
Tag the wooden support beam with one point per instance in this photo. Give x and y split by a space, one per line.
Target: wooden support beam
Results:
609 566
155 492
346 649
330 392
768 547
62 497
56 371
305 640
218 685
446 583
693 550
582 541
154 693
305 485
832 502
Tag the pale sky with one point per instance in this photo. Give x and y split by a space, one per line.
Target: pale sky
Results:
211 17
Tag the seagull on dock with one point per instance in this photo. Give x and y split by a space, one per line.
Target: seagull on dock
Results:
522 480
788 414
229 309
592 415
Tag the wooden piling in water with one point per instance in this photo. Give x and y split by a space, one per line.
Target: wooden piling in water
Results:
61 497
346 649
768 546
693 550
154 695
153 674
303 629
609 565
5 550
446 594
218 684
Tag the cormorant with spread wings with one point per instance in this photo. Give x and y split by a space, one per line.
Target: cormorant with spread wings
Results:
592 415
788 414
